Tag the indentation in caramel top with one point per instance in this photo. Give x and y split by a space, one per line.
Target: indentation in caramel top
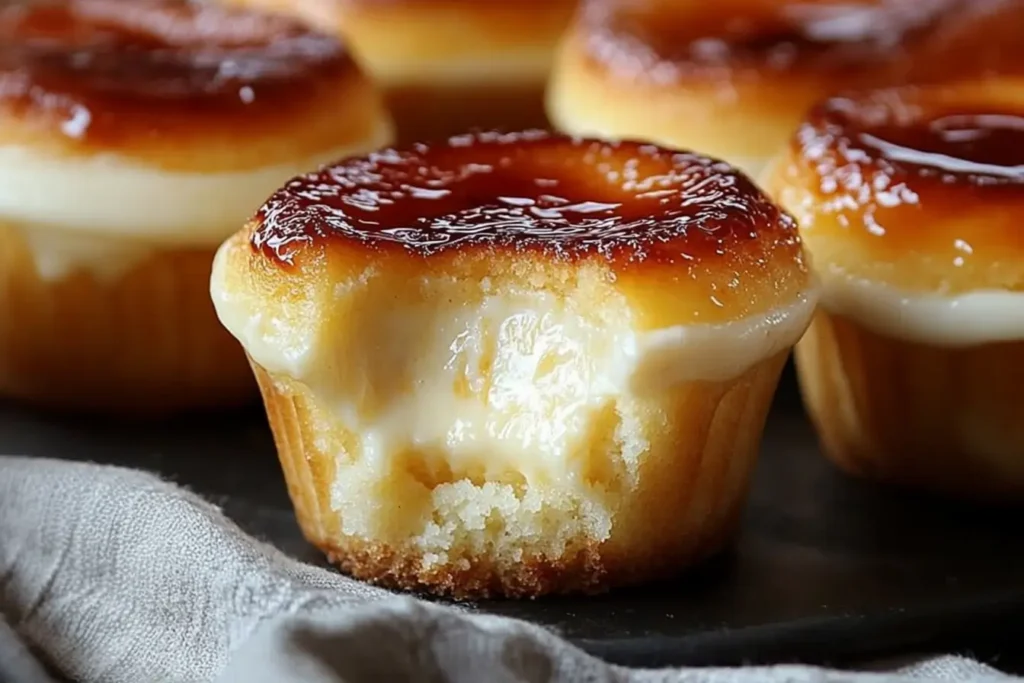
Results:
625 202
666 40
915 140
976 148
111 72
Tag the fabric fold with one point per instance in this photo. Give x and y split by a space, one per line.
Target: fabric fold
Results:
115 576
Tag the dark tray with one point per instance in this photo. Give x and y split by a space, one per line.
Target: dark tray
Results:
827 569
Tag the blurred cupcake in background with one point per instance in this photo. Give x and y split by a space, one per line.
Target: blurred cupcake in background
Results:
910 202
732 78
448 66
134 137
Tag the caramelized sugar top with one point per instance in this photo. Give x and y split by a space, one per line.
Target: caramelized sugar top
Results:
564 198
926 176
113 71
669 40
893 146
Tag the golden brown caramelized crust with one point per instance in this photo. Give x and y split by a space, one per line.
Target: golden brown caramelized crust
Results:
177 83
729 78
718 43
666 224
921 188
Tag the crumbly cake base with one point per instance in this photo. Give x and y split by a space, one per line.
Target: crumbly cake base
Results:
143 342
948 420
683 506
587 572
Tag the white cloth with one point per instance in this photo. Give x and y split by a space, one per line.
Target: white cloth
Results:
113 576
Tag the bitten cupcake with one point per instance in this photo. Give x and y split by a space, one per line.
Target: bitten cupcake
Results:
517 364
448 66
132 137
911 203
731 78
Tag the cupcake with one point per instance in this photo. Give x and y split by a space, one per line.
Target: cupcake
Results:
731 79
448 66
517 364
132 137
910 202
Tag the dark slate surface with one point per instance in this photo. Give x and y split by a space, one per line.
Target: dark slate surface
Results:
827 569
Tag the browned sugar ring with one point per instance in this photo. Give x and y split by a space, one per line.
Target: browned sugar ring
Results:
917 140
111 69
566 198
664 41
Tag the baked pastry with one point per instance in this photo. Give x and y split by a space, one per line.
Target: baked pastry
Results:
448 66
132 135
516 364
910 202
731 78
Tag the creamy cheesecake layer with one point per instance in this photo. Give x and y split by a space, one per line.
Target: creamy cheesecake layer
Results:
513 374
967 319
102 213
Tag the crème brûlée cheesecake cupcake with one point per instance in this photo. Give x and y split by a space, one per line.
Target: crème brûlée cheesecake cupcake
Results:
134 138
448 66
517 364
731 78
910 202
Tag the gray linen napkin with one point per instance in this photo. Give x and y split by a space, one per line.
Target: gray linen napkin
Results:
113 575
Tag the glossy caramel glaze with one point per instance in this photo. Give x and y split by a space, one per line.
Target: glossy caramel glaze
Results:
115 74
928 179
625 202
666 41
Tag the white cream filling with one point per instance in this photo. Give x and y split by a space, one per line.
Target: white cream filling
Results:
969 319
717 352
104 212
515 383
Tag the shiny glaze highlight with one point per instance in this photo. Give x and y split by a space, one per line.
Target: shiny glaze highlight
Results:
920 141
922 188
626 202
